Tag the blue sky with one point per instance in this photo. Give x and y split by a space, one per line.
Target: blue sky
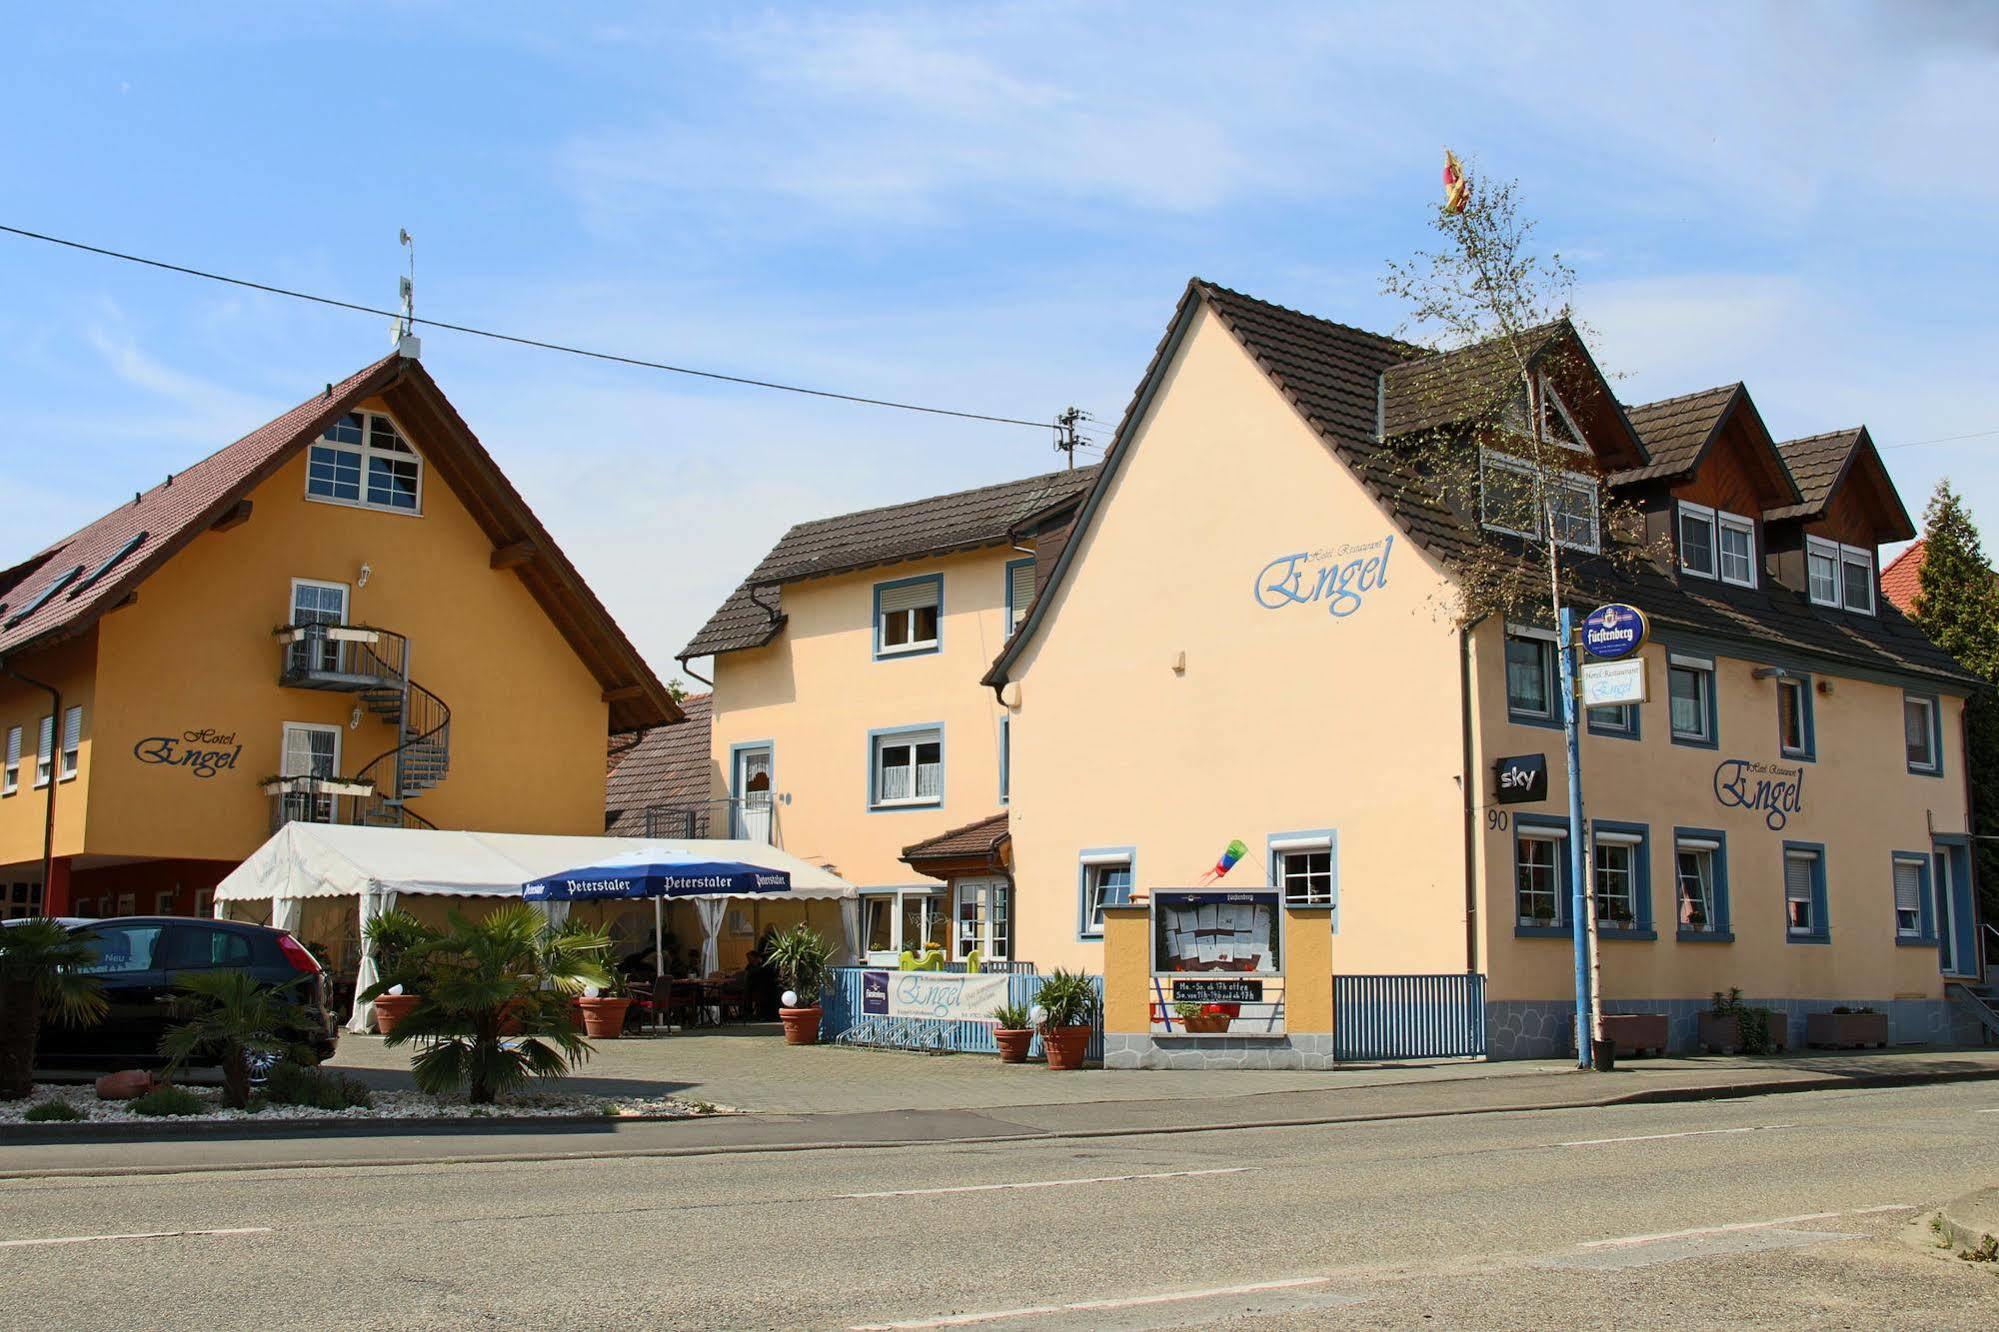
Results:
991 208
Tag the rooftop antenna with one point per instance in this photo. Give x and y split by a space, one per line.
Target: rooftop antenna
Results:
1065 433
402 332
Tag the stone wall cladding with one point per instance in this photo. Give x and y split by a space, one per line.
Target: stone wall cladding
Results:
1543 1029
1299 1050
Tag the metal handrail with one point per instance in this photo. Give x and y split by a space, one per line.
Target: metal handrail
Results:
352 650
696 820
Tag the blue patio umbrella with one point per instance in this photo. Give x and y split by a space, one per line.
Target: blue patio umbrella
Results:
658 874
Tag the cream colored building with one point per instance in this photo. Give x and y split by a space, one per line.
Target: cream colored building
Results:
1242 627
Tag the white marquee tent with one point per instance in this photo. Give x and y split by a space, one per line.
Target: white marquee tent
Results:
377 866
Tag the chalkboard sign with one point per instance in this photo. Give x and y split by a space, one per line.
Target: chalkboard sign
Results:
1230 991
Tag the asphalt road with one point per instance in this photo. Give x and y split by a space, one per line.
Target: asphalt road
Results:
1785 1211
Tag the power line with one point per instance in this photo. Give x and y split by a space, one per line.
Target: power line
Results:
1942 439
516 338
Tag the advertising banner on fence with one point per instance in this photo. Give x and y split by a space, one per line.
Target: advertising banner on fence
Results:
938 995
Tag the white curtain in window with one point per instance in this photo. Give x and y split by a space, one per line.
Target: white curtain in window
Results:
372 905
850 930
926 779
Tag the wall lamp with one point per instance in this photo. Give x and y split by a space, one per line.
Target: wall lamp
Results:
1771 673
367 572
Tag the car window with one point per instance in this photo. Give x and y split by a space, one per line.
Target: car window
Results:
121 948
191 947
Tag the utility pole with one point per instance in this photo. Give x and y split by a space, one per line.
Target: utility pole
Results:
1065 433
1582 905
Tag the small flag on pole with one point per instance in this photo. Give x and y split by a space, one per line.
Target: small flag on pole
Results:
1457 186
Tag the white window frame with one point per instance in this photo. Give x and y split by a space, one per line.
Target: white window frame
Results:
1306 845
1801 690
1703 668
10 778
1818 548
1851 556
1710 885
1745 527
1813 868
1920 865
1840 557
45 743
934 584
367 452
1557 840
1702 515
1577 481
1551 398
1095 864
1551 693
69 752
1930 732
912 739
284 755
1633 845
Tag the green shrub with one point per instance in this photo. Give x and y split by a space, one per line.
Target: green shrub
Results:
169 1100
1068 997
1012 1017
47 1111
296 1084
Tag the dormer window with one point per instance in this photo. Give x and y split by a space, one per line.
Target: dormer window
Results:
1839 575
1508 502
1714 544
362 459
1557 426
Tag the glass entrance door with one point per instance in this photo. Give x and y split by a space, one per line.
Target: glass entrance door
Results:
754 809
980 920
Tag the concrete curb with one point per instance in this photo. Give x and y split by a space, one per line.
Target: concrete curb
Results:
176 1129
1971 1220
1655 1096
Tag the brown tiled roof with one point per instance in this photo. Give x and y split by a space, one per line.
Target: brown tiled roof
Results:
670 765
1447 388
1676 431
970 842
1816 463
1902 579
189 503
1330 372
916 529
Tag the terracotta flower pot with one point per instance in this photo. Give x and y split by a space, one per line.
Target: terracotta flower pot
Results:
603 1018
126 1086
1013 1043
1205 1024
393 1008
1065 1046
801 1025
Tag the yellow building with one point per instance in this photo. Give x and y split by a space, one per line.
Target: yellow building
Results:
348 615
848 719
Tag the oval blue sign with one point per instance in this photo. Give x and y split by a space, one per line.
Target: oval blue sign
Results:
1614 631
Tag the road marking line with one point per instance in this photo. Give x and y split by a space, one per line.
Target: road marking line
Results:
1093 1306
142 1235
1041 1184
1628 1240
1691 1133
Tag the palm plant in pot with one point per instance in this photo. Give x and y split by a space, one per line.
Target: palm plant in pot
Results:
41 975
495 1009
800 956
393 938
603 1012
1013 1032
1068 1001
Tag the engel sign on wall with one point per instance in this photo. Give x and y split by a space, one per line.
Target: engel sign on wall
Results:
1339 576
203 753
1774 792
944 996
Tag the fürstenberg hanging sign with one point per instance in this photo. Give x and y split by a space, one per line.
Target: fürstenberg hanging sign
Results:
1340 576
1614 631
1762 788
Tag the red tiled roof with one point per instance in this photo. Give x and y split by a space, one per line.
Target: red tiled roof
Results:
966 842
1903 576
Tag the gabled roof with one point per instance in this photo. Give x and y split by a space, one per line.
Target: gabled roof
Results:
1821 465
189 503
669 765
979 841
915 529
1329 373
1903 578
1680 433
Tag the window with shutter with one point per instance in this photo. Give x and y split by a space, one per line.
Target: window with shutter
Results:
1799 873
1909 898
1019 592
72 739
45 746
906 615
10 781
908 769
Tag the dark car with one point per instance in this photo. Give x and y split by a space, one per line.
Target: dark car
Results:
138 959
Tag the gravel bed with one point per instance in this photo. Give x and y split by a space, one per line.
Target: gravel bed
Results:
387 1105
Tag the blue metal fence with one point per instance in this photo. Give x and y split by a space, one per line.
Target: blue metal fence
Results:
1408 1017
843 1023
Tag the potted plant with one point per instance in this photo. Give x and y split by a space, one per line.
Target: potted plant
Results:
1068 1001
1197 1019
604 1012
1733 1027
41 978
1845 1027
482 978
392 939
800 956
1013 1032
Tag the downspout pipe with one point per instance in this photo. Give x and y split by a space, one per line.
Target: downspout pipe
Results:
1471 789
55 778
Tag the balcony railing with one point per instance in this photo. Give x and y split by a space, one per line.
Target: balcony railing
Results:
351 657
755 820
314 799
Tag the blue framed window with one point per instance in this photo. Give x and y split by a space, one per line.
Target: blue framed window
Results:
1922 734
1542 882
906 767
909 616
1690 700
1621 878
1915 917
1103 878
1019 591
1805 919
1797 736
1700 885
1006 757
1306 865
1532 695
